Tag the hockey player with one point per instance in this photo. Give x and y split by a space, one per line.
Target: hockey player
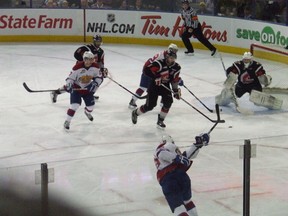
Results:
145 80
172 167
161 72
249 76
78 55
83 81
192 27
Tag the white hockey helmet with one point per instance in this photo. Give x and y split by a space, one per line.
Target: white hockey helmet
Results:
88 55
169 144
247 59
247 55
173 47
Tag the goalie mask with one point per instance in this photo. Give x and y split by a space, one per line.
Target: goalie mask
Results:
247 59
97 40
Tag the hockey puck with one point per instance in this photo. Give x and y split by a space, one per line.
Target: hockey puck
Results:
230 126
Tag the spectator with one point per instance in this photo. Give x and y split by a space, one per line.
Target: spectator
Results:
203 10
247 13
210 5
51 4
65 4
138 5
274 9
222 11
98 4
84 4
124 5
20 4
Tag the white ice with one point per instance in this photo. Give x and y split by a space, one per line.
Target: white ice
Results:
106 166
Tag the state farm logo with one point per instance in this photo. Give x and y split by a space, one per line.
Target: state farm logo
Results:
151 27
42 21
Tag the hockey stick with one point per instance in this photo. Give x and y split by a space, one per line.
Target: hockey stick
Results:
36 91
235 101
220 121
47 90
211 129
210 110
143 97
222 62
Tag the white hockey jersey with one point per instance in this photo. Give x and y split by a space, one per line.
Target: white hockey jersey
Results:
164 158
82 76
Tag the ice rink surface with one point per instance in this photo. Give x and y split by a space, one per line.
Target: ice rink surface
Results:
106 166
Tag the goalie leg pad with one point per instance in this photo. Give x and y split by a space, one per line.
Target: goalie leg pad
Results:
224 98
266 100
230 81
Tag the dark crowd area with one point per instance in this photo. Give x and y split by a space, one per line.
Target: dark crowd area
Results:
267 10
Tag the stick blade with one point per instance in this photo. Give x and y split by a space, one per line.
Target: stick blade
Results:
26 87
218 114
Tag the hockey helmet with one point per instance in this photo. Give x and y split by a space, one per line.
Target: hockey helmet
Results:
247 59
167 139
247 55
169 144
88 55
173 47
97 40
172 54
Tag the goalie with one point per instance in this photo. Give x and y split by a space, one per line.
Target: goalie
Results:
249 76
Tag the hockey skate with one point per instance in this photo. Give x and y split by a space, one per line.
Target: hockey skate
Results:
189 53
67 125
89 116
132 104
134 116
54 95
160 123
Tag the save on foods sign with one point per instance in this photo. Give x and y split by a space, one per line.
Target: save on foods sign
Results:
262 33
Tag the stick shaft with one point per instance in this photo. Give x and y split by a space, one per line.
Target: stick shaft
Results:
126 89
210 110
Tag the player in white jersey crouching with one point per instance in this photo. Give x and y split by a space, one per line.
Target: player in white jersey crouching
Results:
172 166
83 81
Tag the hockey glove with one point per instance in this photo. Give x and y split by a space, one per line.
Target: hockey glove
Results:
181 159
180 82
202 140
93 86
177 93
104 72
68 87
269 80
158 81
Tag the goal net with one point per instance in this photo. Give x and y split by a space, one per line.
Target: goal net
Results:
277 67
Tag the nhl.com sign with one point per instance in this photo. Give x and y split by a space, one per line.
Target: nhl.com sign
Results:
110 26
150 25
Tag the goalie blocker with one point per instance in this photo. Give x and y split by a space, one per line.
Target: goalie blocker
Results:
266 100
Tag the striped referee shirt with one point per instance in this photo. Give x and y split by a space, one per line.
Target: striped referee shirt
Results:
190 18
